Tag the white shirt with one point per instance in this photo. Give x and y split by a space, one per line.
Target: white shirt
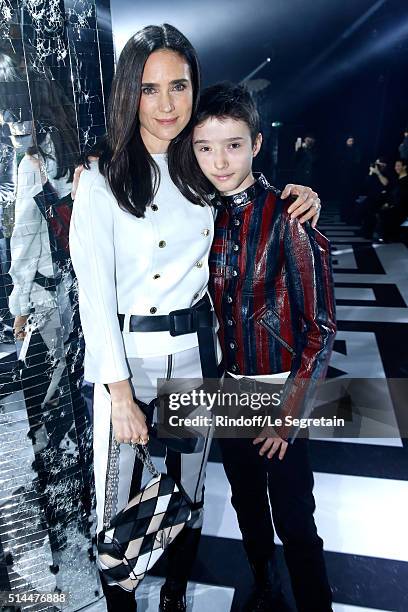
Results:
148 266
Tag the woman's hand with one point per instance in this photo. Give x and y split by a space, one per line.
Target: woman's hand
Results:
128 421
272 443
19 327
307 202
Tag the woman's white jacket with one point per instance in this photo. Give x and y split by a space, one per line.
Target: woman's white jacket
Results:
128 265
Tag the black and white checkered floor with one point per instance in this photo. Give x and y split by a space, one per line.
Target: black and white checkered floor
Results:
361 485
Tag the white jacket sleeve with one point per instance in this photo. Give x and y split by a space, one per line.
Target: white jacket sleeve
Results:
93 257
29 233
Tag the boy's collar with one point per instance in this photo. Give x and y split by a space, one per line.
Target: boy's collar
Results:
248 194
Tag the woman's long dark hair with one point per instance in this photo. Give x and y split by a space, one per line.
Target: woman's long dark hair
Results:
131 171
54 115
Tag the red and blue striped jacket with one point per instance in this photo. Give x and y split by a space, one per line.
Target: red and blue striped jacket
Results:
272 288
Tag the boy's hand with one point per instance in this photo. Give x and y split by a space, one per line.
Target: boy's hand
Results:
307 202
271 443
77 174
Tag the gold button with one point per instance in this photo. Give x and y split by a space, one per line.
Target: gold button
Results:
156 276
153 310
199 264
154 207
162 244
206 232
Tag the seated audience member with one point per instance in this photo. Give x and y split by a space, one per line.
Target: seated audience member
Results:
403 148
395 210
375 188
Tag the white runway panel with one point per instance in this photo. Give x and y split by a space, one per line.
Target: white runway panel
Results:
375 314
345 608
354 293
355 515
343 257
200 597
206 599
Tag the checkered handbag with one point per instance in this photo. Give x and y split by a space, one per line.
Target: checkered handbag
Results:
133 540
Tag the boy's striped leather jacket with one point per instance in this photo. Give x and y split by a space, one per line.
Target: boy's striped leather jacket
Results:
271 283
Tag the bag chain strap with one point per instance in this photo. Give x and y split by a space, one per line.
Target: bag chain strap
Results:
144 457
112 475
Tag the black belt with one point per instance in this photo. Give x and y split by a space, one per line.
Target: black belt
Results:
199 319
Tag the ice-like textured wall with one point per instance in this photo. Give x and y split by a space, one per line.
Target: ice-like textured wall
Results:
56 65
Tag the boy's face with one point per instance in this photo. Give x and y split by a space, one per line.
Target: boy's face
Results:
224 151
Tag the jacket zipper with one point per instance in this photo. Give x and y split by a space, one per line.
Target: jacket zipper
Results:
277 337
169 367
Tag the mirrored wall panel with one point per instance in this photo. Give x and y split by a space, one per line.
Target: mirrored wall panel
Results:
56 66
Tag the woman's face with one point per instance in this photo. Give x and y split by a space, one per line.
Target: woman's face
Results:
166 100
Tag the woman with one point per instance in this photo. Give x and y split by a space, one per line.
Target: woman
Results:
39 270
46 368
140 247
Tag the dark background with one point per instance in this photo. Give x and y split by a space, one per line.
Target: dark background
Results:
337 67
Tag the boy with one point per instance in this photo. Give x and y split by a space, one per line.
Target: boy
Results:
272 290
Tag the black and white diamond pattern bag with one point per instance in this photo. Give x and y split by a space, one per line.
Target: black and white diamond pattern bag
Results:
132 541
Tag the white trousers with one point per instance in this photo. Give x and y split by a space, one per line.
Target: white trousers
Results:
188 470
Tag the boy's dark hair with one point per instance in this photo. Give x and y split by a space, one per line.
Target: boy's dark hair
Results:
221 101
227 100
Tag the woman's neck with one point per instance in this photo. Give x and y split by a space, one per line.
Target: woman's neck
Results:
153 144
